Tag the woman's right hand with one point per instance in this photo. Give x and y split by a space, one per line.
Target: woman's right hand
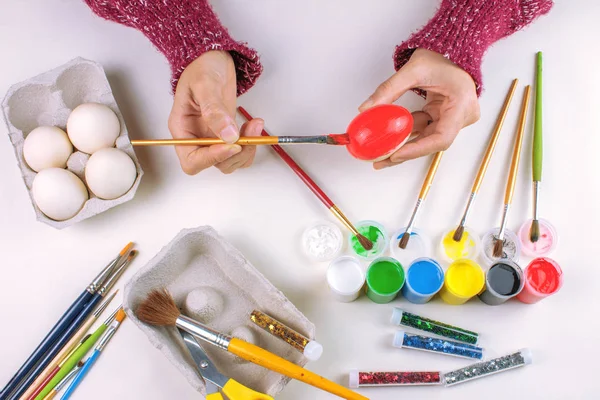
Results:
204 106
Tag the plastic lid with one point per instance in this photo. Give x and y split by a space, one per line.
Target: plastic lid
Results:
397 316
398 339
527 356
313 350
353 379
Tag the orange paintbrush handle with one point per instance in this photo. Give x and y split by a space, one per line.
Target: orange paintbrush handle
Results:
514 165
244 140
435 163
270 361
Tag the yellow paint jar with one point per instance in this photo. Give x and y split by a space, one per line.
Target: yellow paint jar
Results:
464 279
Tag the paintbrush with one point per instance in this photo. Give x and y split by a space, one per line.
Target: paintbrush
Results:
534 231
78 354
336 139
159 309
64 382
512 175
422 195
52 368
363 240
76 323
458 233
16 382
94 357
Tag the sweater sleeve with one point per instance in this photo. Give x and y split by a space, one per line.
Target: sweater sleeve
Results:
182 30
462 30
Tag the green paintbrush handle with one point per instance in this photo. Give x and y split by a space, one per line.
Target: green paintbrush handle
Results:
72 361
537 130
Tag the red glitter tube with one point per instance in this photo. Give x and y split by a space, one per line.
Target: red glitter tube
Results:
361 379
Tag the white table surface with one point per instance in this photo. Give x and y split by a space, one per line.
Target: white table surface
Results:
321 61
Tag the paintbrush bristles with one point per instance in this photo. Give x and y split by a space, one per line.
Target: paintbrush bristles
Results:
534 231
404 241
364 242
498 247
458 233
158 309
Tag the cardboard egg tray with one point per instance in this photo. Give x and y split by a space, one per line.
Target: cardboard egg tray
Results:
48 99
200 258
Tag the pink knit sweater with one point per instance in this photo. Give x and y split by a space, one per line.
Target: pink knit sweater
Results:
461 30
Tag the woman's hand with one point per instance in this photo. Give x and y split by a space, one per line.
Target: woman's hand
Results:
451 103
204 106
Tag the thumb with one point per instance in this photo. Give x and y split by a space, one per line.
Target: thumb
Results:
215 114
390 90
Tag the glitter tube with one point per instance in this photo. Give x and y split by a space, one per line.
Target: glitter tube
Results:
310 348
358 379
401 317
486 368
442 346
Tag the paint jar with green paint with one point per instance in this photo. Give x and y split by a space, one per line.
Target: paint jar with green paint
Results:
373 231
385 278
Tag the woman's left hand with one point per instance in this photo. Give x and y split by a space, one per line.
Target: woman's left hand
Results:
451 103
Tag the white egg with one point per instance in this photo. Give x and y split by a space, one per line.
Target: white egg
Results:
59 193
47 147
93 126
110 173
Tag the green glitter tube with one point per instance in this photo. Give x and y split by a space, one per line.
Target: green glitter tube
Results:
401 317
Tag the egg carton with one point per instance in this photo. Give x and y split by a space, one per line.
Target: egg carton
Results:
48 99
200 258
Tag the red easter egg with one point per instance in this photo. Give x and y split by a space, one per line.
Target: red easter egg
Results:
379 131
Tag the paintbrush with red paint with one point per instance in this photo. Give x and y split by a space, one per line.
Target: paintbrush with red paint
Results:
364 241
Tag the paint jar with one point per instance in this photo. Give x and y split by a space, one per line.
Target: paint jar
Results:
442 346
547 241
418 246
373 231
358 379
322 241
468 246
385 278
464 279
503 281
345 277
424 278
543 277
511 249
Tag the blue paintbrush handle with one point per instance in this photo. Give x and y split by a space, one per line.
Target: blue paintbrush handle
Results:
55 333
57 346
82 373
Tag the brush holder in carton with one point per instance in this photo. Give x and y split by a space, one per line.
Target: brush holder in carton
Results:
48 99
200 259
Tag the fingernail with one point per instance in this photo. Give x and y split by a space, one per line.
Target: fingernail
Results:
229 134
234 149
259 127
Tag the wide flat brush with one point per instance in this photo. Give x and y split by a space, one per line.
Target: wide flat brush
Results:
435 163
335 139
159 309
512 175
538 149
458 233
363 240
16 382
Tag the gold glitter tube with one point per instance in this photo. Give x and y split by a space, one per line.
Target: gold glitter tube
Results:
310 348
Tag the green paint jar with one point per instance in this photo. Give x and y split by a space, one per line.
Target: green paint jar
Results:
385 278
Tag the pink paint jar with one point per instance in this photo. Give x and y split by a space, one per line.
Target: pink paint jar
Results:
543 277
546 243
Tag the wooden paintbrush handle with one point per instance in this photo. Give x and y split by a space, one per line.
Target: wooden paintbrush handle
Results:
514 165
270 361
494 139
243 141
435 163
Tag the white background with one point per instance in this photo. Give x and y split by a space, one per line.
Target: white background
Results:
321 59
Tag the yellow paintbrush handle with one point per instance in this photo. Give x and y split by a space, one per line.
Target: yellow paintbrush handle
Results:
236 391
250 140
494 139
514 164
215 396
275 363
435 163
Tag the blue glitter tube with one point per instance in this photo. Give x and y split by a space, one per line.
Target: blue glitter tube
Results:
442 346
